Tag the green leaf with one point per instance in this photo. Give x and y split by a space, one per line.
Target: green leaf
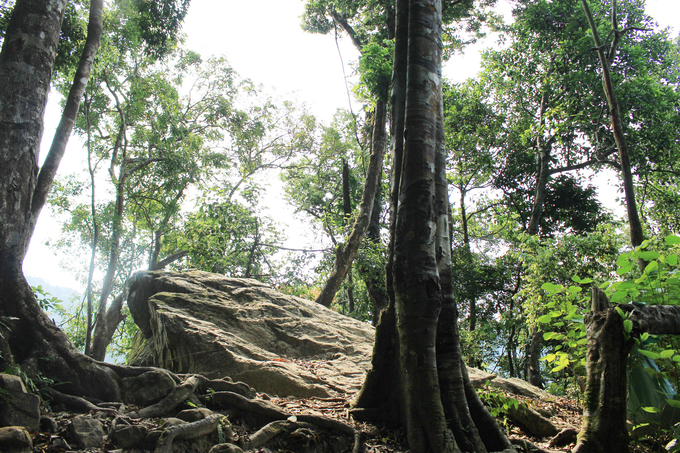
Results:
651 410
621 312
558 368
627 325
650 255
673 403
667 353
650 354
672 239
580 280
651 267
551 288
574 289
672 260
549 357
545 318
624 269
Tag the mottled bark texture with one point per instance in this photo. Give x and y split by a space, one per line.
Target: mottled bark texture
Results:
422 354
604 416
26 63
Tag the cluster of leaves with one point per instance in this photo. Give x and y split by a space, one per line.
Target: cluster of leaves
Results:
657 283
498 403
46 301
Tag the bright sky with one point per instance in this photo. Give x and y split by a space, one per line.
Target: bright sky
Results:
263 41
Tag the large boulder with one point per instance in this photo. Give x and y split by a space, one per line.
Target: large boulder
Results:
197 322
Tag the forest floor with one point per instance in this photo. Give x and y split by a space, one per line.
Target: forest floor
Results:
566 413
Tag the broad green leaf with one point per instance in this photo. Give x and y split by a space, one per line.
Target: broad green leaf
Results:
627 325
545 318
650 409
622 261
673 403
624 269
650 255
558 368
574 289
651 267
667 353
626 285
580 280
650 354
618 296
549 357
672 239
672 260
551 288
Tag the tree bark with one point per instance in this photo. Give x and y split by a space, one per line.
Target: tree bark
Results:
379 398
433 391
604 417
26 60
68 118
346 254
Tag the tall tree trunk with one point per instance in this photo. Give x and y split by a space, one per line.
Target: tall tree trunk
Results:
89 293
68 117
103 330
417 291
467 262
434 397
636 231
450 366
373 273
346 254
379 398
543 152
29 48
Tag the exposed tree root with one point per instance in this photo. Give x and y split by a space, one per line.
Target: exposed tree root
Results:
187 431
180 394
75 401
267 413
528 447
270 431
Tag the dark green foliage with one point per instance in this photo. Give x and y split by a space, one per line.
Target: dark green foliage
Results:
160 23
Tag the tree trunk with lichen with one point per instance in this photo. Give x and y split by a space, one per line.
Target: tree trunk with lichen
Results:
604 416
27 59
418 377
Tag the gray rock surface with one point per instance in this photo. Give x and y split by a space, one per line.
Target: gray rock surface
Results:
147 388
86 432
515 386
17 407
197 322
128 436
15 439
